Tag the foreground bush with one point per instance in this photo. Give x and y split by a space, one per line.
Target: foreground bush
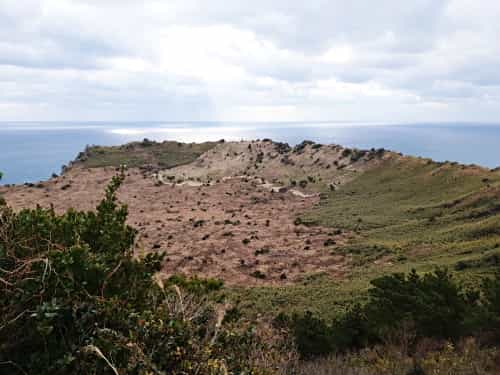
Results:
75 300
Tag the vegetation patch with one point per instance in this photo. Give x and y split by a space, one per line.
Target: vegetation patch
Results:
405 213
430 306
146 154
426 212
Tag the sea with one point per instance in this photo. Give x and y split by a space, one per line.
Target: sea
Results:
32 151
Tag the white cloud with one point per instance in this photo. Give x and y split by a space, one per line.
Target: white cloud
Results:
338 55
260 60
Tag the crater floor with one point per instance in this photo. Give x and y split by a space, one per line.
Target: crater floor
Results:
236 229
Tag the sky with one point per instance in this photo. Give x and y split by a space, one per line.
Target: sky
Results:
259 60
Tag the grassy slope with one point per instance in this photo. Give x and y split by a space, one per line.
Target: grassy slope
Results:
162 155
412 210
408 213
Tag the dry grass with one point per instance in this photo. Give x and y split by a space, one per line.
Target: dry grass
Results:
466 358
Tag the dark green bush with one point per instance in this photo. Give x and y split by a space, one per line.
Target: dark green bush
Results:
352 330
313 336
346 152
432 305
490 314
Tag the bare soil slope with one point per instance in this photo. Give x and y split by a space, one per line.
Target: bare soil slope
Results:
236 230
308 164
229 214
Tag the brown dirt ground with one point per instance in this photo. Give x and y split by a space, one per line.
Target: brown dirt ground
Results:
196 227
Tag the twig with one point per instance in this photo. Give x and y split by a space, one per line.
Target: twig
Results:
181 304
96 350
109 277
13 320
5 282
221 313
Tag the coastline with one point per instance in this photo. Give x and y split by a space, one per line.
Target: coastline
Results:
33 155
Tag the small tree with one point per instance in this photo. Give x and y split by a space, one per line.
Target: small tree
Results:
434 303
313 336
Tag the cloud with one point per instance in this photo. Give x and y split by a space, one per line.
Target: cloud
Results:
262 60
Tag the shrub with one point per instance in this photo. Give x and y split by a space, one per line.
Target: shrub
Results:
258 274
147 143
352 330
282 148
434 303
432 306
357 155
490 316
329 242
301 146
263 251
346 152
313 337
198 223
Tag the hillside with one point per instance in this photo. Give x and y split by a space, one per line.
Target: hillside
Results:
308 164
309 224
299 230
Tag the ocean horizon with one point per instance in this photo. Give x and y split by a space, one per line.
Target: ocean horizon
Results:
32 151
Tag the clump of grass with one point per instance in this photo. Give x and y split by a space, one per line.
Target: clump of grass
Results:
329 242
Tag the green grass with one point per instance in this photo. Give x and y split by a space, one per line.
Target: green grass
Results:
317 293
162 155
411 207
406 213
